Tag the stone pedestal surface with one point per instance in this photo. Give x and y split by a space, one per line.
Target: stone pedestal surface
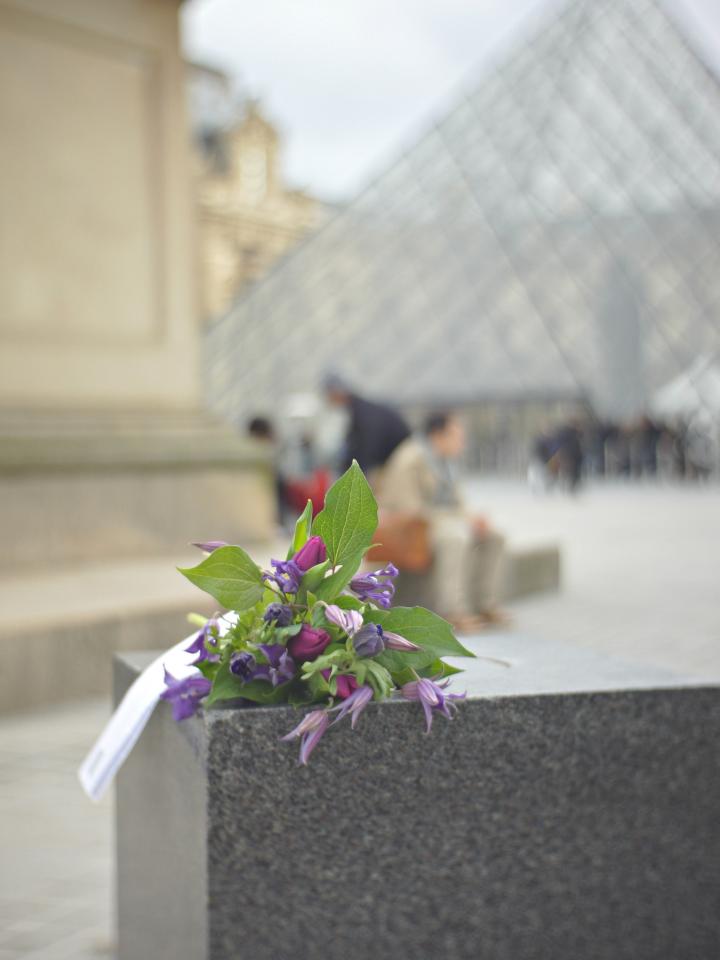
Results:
570 811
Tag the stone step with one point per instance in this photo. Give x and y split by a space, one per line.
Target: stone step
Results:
59 630
527 569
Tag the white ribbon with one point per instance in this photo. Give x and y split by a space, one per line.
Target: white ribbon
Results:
124 727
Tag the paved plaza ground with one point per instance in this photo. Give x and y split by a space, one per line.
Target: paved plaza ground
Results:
641 581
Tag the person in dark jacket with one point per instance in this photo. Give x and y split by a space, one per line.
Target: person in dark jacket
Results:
374 429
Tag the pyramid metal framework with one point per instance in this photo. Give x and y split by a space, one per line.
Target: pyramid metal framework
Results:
556 234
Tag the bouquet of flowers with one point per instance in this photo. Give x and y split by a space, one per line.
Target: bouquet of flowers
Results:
312 631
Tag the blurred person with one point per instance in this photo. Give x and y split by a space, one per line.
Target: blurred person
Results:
539 475
647 440
374 430
598 437
678 432
700 449
570 454
420 479
298 478
262 430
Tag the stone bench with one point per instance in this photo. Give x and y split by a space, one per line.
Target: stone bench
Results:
569 812
527 570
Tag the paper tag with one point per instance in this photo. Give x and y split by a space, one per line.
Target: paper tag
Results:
133 712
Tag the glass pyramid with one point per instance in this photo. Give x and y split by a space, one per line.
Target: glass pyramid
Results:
555 235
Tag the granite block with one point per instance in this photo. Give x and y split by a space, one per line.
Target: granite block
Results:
570 811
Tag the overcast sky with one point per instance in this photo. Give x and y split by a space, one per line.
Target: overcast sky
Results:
350 82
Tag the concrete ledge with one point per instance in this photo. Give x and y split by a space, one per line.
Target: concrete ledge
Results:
527 570
575 818
59 630
101 489
531 570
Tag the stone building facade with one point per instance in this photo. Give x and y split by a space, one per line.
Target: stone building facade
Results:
247 217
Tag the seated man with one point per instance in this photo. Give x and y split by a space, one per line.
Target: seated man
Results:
420 479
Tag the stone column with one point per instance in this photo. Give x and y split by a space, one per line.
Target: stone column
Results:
105 451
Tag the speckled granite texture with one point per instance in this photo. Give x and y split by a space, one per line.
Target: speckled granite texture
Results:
578 825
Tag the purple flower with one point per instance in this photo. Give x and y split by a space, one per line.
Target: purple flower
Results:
354 704
308 644
204 638
351 621
185 695
432 697
287 575
393 641
278 612
280 666
311 554
376 587
368 641
345 683
310 729
242 664
209 545
348 620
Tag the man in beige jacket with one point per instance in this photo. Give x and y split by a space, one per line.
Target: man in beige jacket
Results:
419 479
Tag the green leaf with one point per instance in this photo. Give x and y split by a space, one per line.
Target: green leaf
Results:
331 586
438 668
229 687
303 528
313 577
346 602
349 519
280 634
426 629
379 679
318 686
229 575
208 669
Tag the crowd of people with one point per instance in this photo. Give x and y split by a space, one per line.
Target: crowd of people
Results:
644 448
424 521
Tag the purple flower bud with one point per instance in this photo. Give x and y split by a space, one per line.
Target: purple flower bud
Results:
311 554
308 644
209 545
278 612
348 620
353 704
368 641
345 683
242 664
287 575
432 696
280 666
393 641
377 587
185 694
310 729
205 644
